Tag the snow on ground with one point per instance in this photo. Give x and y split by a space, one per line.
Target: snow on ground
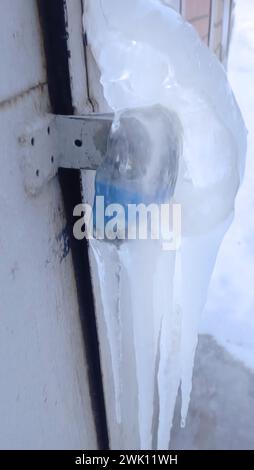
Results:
229 314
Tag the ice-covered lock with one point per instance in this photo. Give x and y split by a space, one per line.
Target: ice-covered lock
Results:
141 165
148 54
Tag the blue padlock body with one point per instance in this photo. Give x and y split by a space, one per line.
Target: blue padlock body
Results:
117 194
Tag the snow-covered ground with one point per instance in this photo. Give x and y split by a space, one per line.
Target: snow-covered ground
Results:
229 314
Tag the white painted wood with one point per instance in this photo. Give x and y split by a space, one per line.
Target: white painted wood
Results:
77 57
212 22
44 396
126 434
116 438
22 66
225 31
183 8
95 89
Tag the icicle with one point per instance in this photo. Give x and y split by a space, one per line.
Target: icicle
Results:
109 269
170 340
146 325
198 260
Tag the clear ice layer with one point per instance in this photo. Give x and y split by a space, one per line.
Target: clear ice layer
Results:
149 56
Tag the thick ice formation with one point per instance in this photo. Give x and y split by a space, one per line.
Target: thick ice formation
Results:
147 56
142 161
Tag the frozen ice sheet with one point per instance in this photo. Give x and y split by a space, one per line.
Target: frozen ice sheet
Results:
148 56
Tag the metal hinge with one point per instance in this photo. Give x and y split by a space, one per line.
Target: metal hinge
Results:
53 142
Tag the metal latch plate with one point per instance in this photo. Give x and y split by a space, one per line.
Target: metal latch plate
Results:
74 142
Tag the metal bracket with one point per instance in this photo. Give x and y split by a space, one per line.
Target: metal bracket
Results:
75 142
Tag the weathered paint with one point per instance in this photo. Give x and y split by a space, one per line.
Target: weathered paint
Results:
44 396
